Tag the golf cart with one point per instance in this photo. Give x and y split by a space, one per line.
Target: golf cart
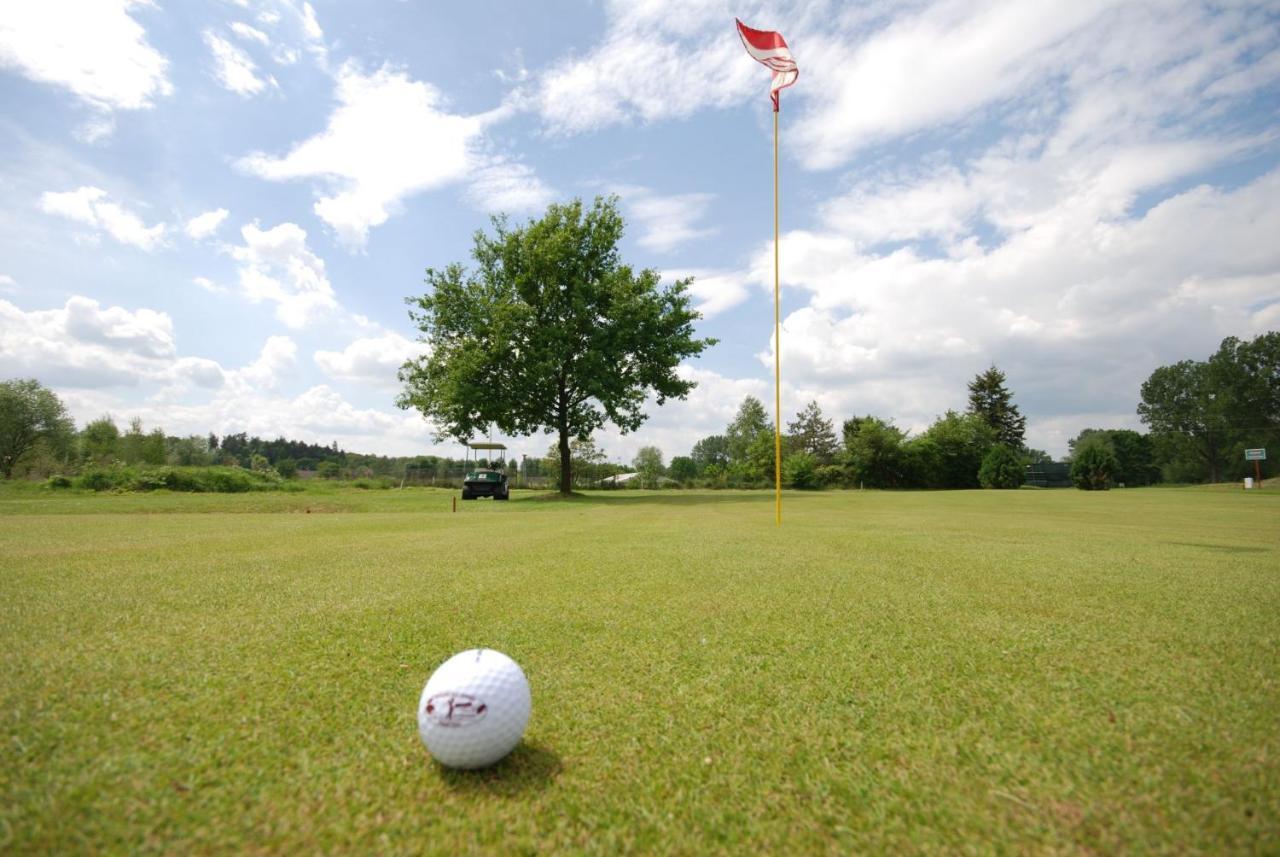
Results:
485 481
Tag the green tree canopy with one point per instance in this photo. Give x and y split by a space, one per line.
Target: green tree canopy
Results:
750 422
873 452
812 434
30 414
648 463
100 439
957 445
992 401
683 469
551 332
1001 468
711 451
1094 465
1134 454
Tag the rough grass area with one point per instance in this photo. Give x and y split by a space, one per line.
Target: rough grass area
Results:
1034 671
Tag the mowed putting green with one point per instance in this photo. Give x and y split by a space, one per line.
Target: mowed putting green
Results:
889 672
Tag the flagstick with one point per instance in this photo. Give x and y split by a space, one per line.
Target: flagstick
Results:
777 346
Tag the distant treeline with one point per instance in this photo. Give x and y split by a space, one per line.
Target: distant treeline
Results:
1201 416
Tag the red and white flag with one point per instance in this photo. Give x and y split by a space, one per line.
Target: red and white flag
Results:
769 48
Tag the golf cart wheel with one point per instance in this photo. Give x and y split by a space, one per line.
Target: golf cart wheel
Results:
466 495
505 495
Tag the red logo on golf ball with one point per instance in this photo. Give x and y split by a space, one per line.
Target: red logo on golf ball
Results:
455 709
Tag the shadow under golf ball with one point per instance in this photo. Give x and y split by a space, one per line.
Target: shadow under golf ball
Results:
529 766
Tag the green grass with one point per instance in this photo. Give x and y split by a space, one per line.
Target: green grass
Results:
1029 671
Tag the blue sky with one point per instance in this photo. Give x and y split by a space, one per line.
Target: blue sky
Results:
212 212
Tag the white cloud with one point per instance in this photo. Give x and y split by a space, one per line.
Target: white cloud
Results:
84 344
507 186
1077 308
7 283
204 225
657 61
931 68
276 265
670 221
209 285
676 426
250 34
233 67
373 360
277 360
389 138
96 128
96 50
715 291
89 205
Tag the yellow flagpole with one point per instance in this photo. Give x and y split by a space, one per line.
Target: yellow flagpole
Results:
777 347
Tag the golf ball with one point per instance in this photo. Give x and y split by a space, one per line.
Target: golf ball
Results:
474 709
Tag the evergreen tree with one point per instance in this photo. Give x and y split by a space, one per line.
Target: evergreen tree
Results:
990 400
812 434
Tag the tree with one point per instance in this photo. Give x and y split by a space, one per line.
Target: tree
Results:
750 422
683 469
287 468
960 442
812 434
100 439
990 400
586 458
1134 453
648 463
30 415
800 470
873 452
1181 400
1001 468
552 332
711 451
1093 465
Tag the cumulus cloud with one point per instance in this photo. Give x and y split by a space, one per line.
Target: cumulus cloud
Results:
276 265
389 137
1078 310
83 344
715 291
90 206
95 50
676 426
372 360
204 225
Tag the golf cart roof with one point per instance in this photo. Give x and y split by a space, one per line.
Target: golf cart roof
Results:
483 445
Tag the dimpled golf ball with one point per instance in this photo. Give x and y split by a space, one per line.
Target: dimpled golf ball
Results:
474 709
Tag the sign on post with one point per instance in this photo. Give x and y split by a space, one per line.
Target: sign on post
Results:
1257 456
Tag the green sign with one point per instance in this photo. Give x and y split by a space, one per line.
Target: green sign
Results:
1255 455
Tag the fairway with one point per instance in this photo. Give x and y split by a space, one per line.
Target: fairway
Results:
1044 671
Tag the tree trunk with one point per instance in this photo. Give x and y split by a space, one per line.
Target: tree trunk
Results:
566 472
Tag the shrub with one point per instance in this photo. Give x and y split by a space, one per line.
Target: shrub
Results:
1001 468
58 481
801 471
1094 464
102 478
